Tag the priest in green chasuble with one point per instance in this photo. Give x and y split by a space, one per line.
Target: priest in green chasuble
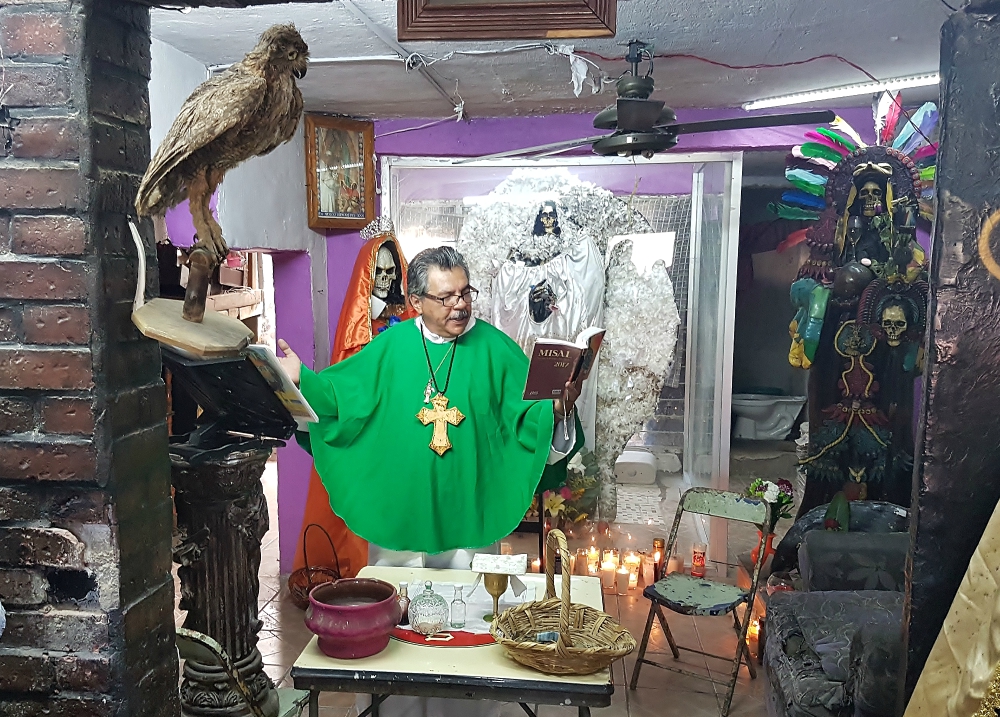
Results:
424 442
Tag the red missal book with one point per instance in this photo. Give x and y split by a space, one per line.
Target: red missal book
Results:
554 363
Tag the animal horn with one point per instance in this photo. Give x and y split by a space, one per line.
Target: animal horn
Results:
140 284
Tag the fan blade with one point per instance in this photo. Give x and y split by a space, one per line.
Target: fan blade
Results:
566 144
804 118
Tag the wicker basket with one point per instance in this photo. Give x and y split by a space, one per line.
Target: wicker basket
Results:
589 640
302 581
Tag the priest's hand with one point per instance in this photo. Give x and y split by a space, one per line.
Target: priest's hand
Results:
563 406
290 361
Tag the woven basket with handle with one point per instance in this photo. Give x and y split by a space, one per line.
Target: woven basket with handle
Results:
302 581
589 640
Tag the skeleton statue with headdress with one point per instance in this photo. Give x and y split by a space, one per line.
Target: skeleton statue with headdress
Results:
539 254
865 271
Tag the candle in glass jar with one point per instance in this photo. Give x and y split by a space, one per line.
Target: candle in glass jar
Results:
698 551
648 570
611 555
580 562
536 565
621 580
593 557
608 575
633 580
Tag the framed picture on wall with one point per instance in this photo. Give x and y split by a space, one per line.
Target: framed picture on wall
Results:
340 172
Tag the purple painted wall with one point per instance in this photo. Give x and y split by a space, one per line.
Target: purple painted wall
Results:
294 323
180 227
341 253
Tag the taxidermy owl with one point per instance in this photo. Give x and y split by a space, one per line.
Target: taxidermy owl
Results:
245 112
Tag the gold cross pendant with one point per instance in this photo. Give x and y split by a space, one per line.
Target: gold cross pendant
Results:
440 416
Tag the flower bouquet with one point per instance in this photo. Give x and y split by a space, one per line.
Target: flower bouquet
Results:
575 501
779 495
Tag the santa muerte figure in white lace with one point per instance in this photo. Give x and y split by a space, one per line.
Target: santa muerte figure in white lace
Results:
538 251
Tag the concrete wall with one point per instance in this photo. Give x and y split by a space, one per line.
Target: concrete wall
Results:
174 76
763 310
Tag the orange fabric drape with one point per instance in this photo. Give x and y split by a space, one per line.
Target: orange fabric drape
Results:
354 330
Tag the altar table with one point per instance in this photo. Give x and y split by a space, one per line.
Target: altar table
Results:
472 673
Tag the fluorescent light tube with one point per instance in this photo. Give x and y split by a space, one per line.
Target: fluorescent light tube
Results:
864 88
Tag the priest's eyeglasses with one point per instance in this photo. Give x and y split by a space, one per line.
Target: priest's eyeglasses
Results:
468 295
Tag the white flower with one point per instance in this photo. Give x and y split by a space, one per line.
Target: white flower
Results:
576 462
771 492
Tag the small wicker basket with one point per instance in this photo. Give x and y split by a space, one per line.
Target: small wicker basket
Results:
589 640
302 581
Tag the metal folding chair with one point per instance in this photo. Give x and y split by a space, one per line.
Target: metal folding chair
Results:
687 595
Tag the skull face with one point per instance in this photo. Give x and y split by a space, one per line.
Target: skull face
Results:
894 324
547 220
385 273
870 195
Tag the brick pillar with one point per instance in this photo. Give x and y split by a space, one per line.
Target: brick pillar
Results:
85 514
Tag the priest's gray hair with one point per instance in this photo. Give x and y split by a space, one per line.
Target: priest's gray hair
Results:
441 257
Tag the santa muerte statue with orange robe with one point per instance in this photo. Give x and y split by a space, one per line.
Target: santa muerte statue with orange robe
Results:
376 300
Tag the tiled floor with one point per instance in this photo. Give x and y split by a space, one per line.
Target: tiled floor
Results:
660 693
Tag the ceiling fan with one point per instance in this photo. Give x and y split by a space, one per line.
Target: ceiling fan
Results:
643 126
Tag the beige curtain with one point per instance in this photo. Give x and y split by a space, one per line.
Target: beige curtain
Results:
966 653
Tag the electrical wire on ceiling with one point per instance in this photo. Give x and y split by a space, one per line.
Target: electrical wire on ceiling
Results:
769 66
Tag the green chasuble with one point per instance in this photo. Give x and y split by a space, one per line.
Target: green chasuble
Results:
374 455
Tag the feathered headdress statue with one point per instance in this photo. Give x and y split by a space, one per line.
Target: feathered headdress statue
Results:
811 164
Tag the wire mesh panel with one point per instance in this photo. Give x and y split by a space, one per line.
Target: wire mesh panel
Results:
433 222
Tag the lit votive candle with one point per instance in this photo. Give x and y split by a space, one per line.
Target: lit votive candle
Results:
593 557
633 580
536 565
608 575
611 555
621 580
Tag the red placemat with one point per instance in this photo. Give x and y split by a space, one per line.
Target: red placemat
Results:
461 638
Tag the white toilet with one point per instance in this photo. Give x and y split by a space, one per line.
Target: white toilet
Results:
763 417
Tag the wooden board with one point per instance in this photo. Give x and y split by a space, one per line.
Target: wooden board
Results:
215 337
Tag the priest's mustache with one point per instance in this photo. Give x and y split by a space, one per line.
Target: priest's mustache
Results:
459 315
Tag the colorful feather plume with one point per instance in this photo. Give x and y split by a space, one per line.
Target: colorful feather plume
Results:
821 151
809 165
887 109
837 139
926 151
803 199
785 211
793 239
841 125
917 130
829 143
818 161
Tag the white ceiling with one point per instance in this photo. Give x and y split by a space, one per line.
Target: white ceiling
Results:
889 39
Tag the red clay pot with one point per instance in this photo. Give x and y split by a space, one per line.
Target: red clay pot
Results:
353 618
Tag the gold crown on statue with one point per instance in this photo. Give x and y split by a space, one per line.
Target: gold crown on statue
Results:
382 225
